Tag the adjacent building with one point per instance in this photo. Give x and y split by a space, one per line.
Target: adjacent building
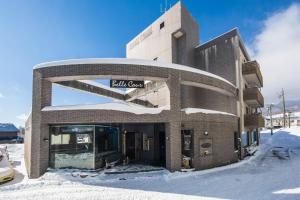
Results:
8 132
291 119
187 105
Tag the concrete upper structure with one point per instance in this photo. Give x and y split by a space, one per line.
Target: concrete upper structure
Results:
208 92
171 38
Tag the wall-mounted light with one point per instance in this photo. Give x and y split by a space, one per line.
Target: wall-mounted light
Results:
205 133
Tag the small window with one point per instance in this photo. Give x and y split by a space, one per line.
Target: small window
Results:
236 141
60 139
162 25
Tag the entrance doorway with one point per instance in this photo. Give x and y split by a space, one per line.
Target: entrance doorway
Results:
144 143
130 145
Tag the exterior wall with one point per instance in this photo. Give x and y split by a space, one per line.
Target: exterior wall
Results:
154 42
7 135
163 44
222 136
225 56
27 143
241 85
195 97
219 56
39 138
160 97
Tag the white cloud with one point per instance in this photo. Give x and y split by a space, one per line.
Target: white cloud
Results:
277 49
23 117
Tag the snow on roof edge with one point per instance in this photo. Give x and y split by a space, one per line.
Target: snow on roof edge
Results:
205 111
130 61
131 108
116 106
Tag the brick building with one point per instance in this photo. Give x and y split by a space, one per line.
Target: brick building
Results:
189 105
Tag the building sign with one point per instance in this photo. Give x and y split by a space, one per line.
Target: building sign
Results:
205 147
83 138
126 84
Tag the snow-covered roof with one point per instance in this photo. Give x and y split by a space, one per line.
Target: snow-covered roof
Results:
205 111
131 62
116 106
7 127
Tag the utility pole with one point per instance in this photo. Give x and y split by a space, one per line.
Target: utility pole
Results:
283 104
289 114
271 117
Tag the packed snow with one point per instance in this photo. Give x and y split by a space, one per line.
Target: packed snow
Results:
272 173
116 106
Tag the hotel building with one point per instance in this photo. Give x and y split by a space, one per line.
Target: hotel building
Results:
186 104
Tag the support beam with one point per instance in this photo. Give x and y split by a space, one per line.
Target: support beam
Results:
101 90
86 87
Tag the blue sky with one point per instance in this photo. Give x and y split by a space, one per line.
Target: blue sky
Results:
32 32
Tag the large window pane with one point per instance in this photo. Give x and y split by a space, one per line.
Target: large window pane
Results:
72 146
106 144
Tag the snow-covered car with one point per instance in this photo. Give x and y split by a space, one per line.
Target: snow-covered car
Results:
18 139
6 170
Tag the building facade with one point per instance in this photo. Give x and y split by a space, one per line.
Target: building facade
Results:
189 105
291 119
8 132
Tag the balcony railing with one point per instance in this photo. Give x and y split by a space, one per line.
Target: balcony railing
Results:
252 74
254 121
253 97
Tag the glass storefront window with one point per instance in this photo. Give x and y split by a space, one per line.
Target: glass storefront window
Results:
72 146
82 146
106 144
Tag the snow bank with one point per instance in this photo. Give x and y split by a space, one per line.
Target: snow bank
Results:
263 176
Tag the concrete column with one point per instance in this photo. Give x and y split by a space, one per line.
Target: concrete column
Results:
39 148
174 86
173 146
173 128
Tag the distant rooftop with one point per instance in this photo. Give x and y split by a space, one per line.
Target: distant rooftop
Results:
7 127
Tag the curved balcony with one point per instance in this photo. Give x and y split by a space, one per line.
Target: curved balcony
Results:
252 74
254 120
253 97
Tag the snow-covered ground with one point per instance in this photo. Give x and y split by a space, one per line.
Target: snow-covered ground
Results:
272 173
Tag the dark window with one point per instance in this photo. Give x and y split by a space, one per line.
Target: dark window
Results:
236 141
187 142
162 25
